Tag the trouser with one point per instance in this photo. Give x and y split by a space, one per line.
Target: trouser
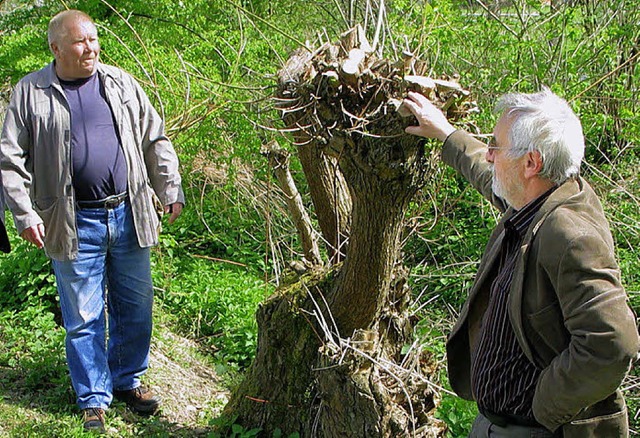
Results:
110 268
483 428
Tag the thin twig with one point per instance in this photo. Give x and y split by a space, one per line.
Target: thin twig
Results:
502 23
603 78
215 259
265 22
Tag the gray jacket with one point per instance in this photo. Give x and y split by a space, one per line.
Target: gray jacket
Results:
35 157
567 305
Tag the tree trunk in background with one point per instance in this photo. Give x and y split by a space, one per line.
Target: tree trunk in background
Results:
279 161
330 198
330 345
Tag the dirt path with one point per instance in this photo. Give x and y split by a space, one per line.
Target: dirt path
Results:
36 398
190 388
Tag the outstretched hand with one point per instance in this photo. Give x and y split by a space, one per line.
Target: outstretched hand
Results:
432 123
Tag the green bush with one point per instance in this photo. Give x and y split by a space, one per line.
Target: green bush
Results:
214 302
26 278
32 355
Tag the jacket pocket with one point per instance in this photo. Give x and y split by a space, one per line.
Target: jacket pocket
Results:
547 324
53 215
154 205
44 207
613 425
157 204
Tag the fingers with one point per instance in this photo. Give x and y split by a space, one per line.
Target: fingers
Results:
419 98
421 107
414 130
34 235
411 105
175 209
432 123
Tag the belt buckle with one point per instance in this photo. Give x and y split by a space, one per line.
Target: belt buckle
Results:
112 202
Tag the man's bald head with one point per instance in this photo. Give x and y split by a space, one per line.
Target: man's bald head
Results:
57 25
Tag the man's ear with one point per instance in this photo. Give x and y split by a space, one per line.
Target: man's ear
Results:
54 48
533 164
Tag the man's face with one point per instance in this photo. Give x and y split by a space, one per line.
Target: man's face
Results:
76 49
508 175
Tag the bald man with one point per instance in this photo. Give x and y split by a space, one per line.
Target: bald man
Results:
84 161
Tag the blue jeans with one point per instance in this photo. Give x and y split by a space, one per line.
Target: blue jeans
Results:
110 269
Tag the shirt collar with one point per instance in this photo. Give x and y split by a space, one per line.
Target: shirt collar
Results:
522 218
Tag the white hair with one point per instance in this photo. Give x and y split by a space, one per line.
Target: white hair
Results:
545 123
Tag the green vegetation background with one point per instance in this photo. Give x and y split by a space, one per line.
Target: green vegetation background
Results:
209 65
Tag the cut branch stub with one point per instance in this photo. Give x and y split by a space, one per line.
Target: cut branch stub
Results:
351 67
421 84
354 38
344 91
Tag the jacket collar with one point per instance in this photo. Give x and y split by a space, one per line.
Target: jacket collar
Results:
48 77
565 191
520 220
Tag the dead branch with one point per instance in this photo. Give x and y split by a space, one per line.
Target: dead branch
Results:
279 161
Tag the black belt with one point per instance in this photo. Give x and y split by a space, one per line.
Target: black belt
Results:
109 202
504 420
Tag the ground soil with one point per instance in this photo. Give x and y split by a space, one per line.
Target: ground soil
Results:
190 388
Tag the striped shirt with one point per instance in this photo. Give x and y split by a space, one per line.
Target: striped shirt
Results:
502 378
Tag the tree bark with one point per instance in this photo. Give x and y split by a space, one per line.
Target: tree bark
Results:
382 174
277 390
331 199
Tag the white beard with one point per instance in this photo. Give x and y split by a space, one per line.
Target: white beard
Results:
502 190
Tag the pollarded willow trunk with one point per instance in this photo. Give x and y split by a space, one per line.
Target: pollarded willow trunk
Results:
383 171
330 198
329 346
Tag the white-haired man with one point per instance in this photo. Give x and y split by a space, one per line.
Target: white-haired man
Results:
84 159
546 335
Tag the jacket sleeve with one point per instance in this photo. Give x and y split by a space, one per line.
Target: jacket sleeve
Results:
603 335
467 155
16 160
160 157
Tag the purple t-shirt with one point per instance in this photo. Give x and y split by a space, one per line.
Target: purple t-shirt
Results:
99 166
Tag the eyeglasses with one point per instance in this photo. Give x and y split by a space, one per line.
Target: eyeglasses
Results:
493 146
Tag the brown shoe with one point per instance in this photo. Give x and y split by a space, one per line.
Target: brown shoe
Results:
93 419
140 400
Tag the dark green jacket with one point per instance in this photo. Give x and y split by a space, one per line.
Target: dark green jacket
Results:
566 305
